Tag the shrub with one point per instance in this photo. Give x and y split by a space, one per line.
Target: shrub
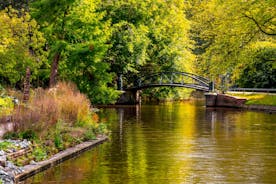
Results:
4 145
11 135
39 153
28 134
89 135
6 106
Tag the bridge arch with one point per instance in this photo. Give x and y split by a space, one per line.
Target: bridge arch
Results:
172 79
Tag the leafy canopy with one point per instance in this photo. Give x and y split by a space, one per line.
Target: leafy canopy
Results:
21 46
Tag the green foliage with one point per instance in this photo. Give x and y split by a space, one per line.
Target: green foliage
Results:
4 145
89 134
147 37
102 129
17 4
21 46
58 141
6 106
148 34
260 72
226 32
28 134
163 94
11 135
39 153
257 99
262 100
76 32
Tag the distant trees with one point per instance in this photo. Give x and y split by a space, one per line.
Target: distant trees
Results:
147 36
92 42
227 34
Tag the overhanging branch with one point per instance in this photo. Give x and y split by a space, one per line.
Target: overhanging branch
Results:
259 26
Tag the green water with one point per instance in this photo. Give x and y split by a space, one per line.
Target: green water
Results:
176 143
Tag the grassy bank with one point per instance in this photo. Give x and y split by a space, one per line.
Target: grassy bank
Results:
257 99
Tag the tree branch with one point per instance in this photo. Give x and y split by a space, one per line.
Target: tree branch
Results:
259 26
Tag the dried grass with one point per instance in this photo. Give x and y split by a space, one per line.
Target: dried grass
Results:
46 107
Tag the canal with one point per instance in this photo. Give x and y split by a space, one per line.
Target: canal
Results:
176 143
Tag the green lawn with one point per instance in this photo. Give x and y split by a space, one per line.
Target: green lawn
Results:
257 99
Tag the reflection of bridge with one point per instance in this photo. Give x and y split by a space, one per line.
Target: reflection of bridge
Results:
172 79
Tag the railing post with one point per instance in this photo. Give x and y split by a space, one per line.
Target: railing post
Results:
211 86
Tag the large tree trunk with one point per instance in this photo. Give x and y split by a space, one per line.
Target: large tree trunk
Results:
27 85
54 70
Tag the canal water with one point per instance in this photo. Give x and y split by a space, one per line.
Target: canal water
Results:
173 144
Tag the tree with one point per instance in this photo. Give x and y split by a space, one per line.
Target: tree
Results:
16 4
224 30
260 71
77 39
51 15
147 36
21 46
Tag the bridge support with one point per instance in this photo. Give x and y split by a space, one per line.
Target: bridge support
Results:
130 98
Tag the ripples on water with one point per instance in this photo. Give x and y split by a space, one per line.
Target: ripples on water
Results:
176 143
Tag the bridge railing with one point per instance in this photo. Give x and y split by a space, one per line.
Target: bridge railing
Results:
170 77
181 79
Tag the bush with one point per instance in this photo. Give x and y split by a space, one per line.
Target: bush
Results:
89 135
28 134
102 129
6 106
39 153
11 135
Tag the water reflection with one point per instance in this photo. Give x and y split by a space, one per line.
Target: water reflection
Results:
176 143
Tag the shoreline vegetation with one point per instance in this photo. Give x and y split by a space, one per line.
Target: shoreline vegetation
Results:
52 121
268 99
59 119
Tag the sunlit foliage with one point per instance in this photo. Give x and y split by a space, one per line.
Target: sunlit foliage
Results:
21 46
226 33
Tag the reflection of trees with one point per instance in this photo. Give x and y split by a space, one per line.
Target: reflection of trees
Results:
177 143
244 143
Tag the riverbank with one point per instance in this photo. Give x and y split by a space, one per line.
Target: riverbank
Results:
10 173
260 102
32 169
257 101
51 121
266 99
